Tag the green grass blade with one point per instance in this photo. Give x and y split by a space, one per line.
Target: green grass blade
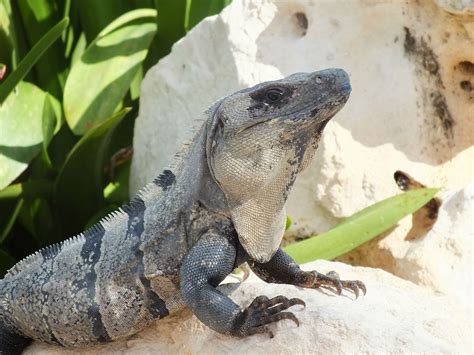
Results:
11 221
31 58
361 227
38 17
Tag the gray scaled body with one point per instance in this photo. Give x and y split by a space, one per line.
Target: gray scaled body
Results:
221 205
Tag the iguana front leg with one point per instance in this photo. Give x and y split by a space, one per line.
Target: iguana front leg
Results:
283 269
210 260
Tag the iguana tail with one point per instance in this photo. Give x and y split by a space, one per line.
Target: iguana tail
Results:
10 342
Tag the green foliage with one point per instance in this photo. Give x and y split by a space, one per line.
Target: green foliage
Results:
360 227
21 129
31 58
67 68
113 59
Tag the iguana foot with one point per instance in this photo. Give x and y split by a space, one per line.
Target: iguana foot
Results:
332 282
263 311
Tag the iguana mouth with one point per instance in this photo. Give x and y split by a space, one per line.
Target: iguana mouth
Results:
256 123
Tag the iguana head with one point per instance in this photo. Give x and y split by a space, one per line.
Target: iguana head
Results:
259 139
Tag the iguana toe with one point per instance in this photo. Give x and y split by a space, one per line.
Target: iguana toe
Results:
332 282
263 311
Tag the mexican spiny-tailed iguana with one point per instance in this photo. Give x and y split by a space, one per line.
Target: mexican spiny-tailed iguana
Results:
221 205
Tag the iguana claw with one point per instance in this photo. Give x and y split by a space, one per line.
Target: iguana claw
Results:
263 311
332 281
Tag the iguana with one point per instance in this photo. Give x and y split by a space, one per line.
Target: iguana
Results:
222 204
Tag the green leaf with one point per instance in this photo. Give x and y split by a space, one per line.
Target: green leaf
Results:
117 192
47 128
171 24
95 15
13 44
79 186
100 79
7 36
198 10
79 49
21 119
288 222
38 17
31 58
10 221
28 189
360 227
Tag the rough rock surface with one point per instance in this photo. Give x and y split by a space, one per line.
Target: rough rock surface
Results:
395 316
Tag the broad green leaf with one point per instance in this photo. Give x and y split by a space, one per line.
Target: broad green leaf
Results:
79 49
131 16
100 79
31 58
361 227
79 186
21 118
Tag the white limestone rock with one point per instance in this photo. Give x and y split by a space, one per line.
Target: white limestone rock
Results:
395 316
442 260
412 72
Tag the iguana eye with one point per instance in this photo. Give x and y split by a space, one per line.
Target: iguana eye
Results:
274 94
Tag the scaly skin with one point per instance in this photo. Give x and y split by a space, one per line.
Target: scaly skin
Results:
221 205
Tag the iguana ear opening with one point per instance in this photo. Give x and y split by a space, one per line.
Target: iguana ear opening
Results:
260 230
